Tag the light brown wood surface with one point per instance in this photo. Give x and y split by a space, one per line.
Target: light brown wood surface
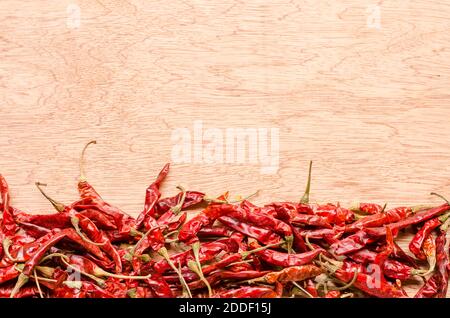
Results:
368 103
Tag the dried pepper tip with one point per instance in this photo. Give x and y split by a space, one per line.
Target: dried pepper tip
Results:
305 197
198 266
57 205
22 280
82 172
440 196
163 252
75 223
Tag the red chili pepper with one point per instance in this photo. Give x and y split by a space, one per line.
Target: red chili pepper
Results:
192 198
152 196
310 287
411 220
352 243
313 220
285 259
8 273
8 226
415 246
392 268
262 235
290 274
368 208
26 292
216 231
333 294
380 219
369 283
188 232
219 276
335 214
437 284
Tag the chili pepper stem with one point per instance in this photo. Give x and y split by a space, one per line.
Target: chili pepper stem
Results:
163 252
199 272
99 281
75 222
305 197
177 208
289 242
21 280
37 284
82 172
57 205
192 265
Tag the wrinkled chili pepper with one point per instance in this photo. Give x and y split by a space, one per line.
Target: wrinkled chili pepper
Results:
8 225
411 220
285 259
262 235
352 243
415 246
368 208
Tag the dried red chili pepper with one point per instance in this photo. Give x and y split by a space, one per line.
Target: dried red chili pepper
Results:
290 274
415 246
262 235
152 196
411 220
285 259
8 226
192 198
216 231
352 243
380 219
367 208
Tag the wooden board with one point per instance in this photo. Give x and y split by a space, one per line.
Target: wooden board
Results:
360 87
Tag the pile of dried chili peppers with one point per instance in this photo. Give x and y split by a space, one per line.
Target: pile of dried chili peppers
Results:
91 248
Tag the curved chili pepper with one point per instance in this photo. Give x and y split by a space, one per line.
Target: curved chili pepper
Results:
285 259
411 220
368 208
8 226
188 232
152 196
262 235
352 243
215 231
380 219
192 198
290 274
415 246
9 273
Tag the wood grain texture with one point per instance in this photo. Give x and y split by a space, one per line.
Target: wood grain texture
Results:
370 106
